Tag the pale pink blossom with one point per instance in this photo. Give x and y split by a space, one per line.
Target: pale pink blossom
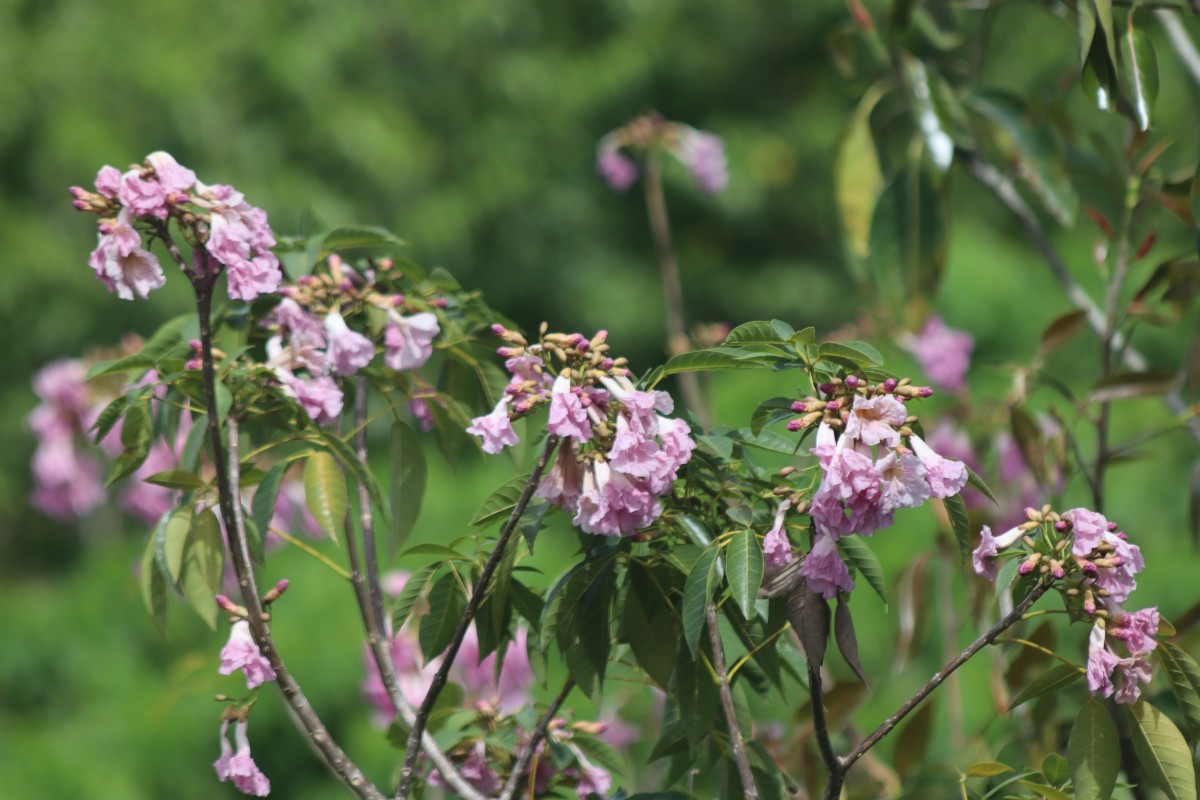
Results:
66 482
241 652
902 482
824 569
983 555
320 397
593 780
510 692
563 482
421 411
944 353
1100 664
145 198
946 477
409 340
704 155
1088 527
239 766
349 351
568 417
1118 579
777 549
241 239
876 420
413 675
618 171
250 278
495 428
108 181
1137 630
173 177
122 264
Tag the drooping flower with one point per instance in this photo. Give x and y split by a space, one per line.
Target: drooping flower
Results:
568 417
241 239
824 569
902 482
982 556
121 263
1088 527
1101 663
777 549
593 780
1137 630
349 351
495 428
409 340
320 397
946 477
241 652
238 766
704 155
618 171
944 353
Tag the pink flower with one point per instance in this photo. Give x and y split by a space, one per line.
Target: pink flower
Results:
108 181
704 156
495 428
875 421
66 483
249 278
989 546
413 675
1137 630
1133 670
902 482
240 238
239 766
568 417
612 504
944 353
121 264
420 410
173 177
618 171
777 549
241 652
824 569
562 484
409 340
145 198
1118 579
946 477
1089 529
349 351
510 693
1100 665
633 452
320 398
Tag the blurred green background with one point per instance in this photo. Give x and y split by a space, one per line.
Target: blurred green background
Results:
469 129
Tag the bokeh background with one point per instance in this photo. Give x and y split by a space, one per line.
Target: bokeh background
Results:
469 129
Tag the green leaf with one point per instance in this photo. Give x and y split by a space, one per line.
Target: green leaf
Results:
860 354
168 337
695 529
857 175
135 436
956 511
154 588
584 629
938 143
775 409
355 237
203 562
434 549
1056 769
1049 792
177 479
360 471
189 458
980 485
860 554
1183 675
710 360
266 496
1104 16
325 492
1140 74
753 333
170 541
1086 27
446 604
744 569
695 695
1163 753
501 502
412 590
987 769
109 416
648 624
599 752
1055 679
408 482
696 594
909 238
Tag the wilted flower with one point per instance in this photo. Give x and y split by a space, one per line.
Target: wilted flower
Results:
239 766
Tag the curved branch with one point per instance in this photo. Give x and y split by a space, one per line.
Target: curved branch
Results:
522 764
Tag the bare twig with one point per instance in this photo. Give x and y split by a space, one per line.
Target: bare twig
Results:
485 577
731 721
677 340
523 761
230 506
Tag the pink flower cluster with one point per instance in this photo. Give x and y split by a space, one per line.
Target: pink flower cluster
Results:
700 151
944 353
619 453
239 766
312 335
867 473
67 469
235 234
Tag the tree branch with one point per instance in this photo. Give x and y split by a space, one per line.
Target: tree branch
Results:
230 506
489 568
834 766
522 764
731 721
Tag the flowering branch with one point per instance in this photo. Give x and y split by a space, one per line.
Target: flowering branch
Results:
489 568
840 766
731 721
227 482
522 764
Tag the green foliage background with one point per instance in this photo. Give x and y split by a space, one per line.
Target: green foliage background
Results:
469 129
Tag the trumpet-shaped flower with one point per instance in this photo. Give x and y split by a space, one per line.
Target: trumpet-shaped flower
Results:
495 428
241 652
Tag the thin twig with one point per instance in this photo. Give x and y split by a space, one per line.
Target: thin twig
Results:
731 721
933 683
513 785
677 340
485 577
1007 194
230 505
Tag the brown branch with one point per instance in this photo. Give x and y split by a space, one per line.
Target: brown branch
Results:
513 785
731 721
230 506
407 771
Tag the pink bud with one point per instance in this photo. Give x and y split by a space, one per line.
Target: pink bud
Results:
925 391
794 425
607 364
1112 526
225 604
889 385
798 407
852 381
833 406
347 285
499 329
439 302
825 388
1025 568
1062 526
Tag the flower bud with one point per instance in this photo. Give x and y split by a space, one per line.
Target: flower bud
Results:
798 407
889 385
852 381
276 591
